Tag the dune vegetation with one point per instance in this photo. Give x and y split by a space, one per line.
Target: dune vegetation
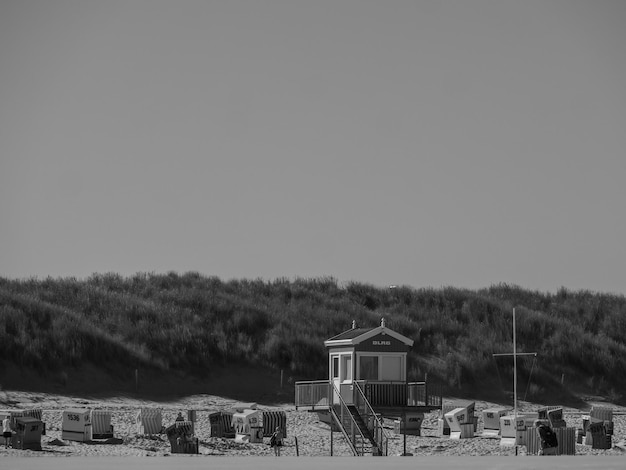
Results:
189 325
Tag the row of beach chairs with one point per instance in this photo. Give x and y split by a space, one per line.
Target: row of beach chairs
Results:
84 425
458 420
149 421
222 423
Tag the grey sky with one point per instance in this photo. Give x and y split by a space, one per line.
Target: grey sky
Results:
421 143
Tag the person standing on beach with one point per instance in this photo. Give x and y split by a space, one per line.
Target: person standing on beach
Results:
6 431
549 442
276 441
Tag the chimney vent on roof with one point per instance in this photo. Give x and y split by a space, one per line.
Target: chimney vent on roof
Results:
382 322
353 324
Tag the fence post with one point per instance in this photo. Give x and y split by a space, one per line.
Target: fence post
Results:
404 423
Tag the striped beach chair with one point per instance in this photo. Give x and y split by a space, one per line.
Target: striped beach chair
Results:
221 424
566 438
149 421
101 424
273 420
181 437
34 413
555 416
602 418
543 411
601 413
600 438
178 429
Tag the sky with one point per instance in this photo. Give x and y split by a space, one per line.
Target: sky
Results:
418 143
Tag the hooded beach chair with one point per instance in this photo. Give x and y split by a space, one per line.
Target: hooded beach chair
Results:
101 424
273 420
181 437
76 425
222 424
149 421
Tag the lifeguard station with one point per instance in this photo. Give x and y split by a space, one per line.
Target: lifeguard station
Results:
367 379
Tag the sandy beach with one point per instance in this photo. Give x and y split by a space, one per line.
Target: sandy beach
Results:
313 437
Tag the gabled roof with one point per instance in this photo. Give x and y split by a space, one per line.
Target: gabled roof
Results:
350 334
354 336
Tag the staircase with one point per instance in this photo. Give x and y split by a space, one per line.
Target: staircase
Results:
362 429
365 431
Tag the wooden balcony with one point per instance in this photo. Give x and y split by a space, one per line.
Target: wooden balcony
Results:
382 396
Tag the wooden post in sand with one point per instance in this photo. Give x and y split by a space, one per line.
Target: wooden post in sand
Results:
404 423
331 440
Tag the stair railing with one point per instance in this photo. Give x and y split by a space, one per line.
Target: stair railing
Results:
371 419
349 427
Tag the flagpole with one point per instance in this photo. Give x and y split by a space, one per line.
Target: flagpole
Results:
515 379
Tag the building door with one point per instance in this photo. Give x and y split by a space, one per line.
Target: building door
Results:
346 386
341 373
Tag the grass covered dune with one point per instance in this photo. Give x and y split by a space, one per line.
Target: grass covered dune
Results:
180 334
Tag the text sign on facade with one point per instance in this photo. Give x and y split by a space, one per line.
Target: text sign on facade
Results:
382 342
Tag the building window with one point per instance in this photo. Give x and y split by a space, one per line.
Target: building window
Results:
346 372
335 367
368 369
392 368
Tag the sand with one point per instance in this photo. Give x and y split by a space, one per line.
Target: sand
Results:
313 438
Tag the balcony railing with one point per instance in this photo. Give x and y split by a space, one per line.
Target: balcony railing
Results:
386 393
424 394
313 394
316 394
